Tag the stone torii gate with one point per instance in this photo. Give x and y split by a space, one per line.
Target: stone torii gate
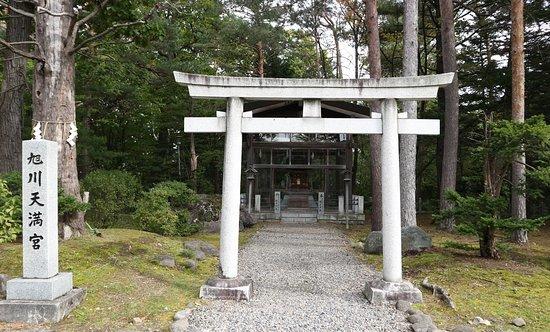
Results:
389 124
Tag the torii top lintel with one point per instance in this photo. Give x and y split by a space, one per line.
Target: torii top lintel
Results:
254 88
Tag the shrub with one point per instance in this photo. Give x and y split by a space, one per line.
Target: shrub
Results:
13 181
10 214
165 209
112 194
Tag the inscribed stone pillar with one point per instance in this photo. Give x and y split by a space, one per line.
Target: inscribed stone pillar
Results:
341 204
321 203
229 232
277 202
258 203
391 210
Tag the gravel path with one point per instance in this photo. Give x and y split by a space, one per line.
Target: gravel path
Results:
305 279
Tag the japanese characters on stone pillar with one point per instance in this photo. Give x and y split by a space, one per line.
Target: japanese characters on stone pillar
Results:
258 203
43 294
320 203
40 244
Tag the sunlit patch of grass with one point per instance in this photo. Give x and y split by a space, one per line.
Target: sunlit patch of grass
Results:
122 278
517 285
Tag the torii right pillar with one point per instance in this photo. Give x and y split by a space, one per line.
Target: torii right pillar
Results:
391 286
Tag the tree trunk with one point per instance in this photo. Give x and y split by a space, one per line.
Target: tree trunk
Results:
375 70
407 158
339 73
450 140
194 162
487 247
261 59
518 202
18 29
53 99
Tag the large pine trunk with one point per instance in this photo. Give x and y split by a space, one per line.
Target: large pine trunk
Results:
450 139
14 85
375 70
53 99
487 244
407 158
518 202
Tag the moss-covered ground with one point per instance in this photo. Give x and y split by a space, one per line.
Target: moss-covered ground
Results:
122 279
517 285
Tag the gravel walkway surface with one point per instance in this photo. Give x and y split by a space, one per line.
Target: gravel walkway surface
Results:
305 279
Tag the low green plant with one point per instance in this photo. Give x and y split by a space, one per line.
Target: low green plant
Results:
10 214
481 216
165 210
112 194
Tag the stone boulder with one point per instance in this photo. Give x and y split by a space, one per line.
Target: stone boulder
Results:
246 219
413 239
205 247
166 260
373 243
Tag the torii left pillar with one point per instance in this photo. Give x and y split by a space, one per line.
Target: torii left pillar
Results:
228 285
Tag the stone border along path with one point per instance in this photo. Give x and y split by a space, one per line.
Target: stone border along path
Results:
305 279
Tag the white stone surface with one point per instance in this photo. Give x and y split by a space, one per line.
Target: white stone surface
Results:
341 204
320 203
360 207
311 125
311 108
407 88
257 203
229 232
391 204
39 289
39 199
277 202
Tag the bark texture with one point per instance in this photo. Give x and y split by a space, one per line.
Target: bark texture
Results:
53 98
407 158
375 70
518 202
14 85
450 140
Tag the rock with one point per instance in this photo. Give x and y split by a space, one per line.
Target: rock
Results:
200 255
413 238
205 247
182 314
245 218
519 322
3 280
480 321
424 327
373 243
212 226
463 328
137 320
166 260
190 264
181 325
420 318
403 305
413 311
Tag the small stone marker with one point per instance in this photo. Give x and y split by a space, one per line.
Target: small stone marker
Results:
277 202
341 205
257 203
321 203
43 294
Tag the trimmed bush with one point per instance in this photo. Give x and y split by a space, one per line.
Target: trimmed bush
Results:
112 194
165 209
10 214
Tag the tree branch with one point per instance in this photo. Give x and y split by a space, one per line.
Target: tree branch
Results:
73 29
17 10
44 10
20 52
103 34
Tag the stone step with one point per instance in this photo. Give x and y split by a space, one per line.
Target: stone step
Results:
304 220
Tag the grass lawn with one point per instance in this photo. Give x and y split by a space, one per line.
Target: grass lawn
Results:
122 279
517 285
